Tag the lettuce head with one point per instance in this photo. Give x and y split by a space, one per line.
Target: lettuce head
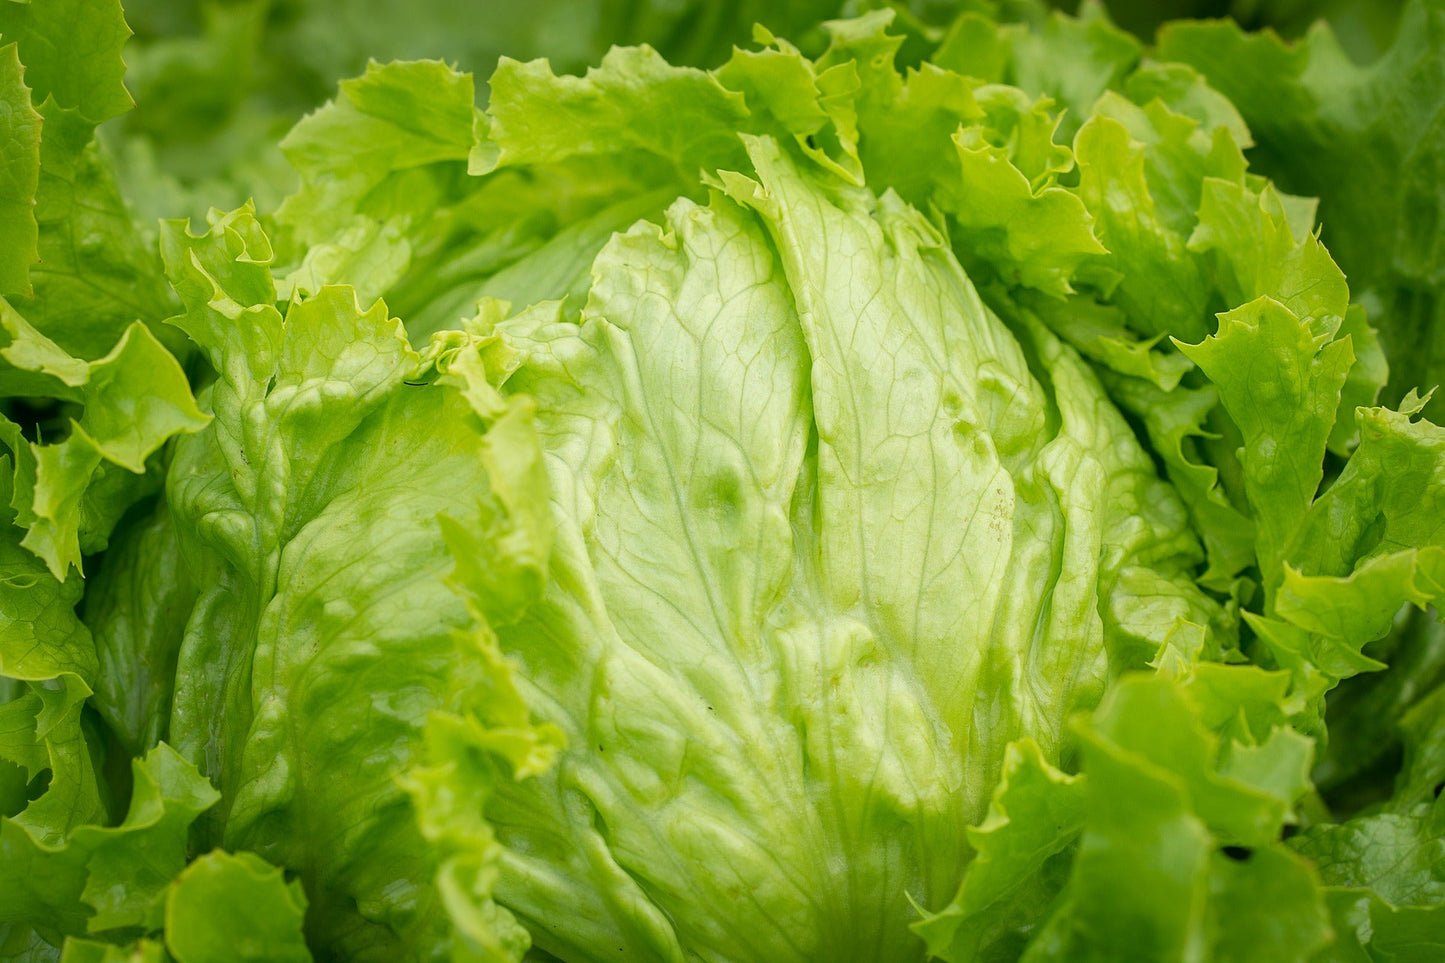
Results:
904 489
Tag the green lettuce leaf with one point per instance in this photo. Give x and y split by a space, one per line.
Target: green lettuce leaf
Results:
1338 565
1279 377
91 273
70 494
234 907
71 49
1367 140
65 872
20 130
1071 60
334 449
136 607
222 907
1178 852
1036 814
40 636
219 84
394 119
1372 715
983 154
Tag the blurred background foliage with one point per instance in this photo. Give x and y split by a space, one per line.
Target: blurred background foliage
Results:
217 82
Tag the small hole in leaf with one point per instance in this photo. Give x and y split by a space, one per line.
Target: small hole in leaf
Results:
812 144
1439 788
1240 854
1289 832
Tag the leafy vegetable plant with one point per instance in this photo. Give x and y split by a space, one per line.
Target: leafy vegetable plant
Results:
905 489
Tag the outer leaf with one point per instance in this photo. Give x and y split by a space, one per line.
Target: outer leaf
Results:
1149 881
1389 498
72 51
1371 715
1399 857
1280 381
136 606
1070 60
1046 231
1257 254
1368 140
1177 422
43 878
40 636
1363 384
1100 332
633 101
1185 91
985 155
98 271
1424 766
1036 813
37 366
234 907
1362 606
19 174
135 399
395 119
1239 801
1161 288
93 878
331 456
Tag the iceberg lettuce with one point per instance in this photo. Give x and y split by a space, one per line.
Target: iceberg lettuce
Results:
908 491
